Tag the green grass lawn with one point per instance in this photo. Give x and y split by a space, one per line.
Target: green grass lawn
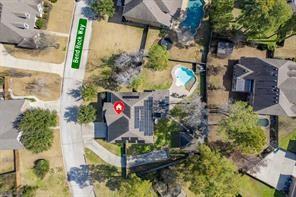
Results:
288 142
250 187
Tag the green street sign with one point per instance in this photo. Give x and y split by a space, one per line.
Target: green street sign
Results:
79 43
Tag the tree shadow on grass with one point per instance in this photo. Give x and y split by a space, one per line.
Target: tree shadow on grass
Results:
106 173
292 146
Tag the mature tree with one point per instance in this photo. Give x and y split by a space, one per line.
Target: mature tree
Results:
86 114
136 187
158 57
195 113
221 14
35 124
88 92
261 18
288 29
241 127
41 168
210 174
104 8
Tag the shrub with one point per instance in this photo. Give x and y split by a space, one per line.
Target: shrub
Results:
158 57
53 1
86 114
41 168
214 83
103 7
35 126
88 92
40 22
28 191
136 82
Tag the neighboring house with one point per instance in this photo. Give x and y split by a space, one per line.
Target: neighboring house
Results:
156 13
270 84
9 135
17 22
140 113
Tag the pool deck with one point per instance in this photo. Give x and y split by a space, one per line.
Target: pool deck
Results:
180 90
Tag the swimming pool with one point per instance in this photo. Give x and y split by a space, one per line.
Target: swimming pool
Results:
183 76
194 15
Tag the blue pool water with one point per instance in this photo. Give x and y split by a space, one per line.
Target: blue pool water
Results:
183 75
194 15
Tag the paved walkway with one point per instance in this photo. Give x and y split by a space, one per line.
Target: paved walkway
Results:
71 132
104 154
7 60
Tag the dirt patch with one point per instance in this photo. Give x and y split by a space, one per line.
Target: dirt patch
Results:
6 161
288 50
51 55
54 184
60 17
44 86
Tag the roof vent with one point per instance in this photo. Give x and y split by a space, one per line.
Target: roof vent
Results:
25 15
22 25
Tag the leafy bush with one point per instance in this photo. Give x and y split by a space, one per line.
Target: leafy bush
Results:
214 83
41 168
86 114
103 7
35 126
28 191
136 83
158 57
88 92
40 22
53 1
1 81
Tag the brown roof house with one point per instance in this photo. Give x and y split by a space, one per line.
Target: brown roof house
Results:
269 83
10 111
156 13
136 123
17 22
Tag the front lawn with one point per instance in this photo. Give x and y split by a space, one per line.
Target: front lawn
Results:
51 54
253 188
44 86
54 183
99 171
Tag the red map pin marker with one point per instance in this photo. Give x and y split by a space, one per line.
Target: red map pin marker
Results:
119 107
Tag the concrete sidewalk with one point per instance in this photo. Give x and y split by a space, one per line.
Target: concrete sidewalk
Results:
7 60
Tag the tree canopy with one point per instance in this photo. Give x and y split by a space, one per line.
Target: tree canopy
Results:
210 174
158 57
221 14
86 114
136 187
88 92
103 7
261 18
37 136
241 127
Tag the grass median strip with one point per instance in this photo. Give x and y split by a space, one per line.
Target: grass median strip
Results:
79 43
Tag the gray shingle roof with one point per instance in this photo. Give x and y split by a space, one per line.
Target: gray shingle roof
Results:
137 120
151 12
274 87
17 22
10 111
